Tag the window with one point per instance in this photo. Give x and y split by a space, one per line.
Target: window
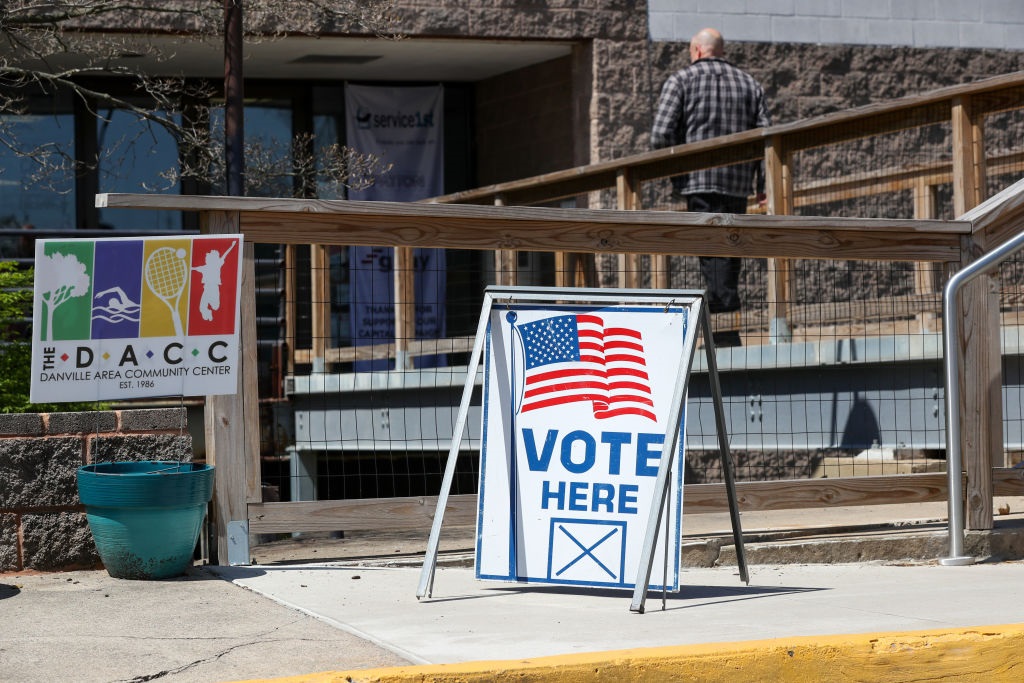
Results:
134 154
37 181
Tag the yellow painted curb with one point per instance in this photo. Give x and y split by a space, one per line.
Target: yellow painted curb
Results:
989 653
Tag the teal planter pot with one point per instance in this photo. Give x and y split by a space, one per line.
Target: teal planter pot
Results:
145 516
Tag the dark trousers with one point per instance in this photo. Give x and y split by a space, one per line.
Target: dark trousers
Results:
721 274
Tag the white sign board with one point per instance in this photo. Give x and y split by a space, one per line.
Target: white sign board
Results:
135 317
576 408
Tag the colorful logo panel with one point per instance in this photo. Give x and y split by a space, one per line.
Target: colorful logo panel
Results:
66 269
117 290
211 307
165 269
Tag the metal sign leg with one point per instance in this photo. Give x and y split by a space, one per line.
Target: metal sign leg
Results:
426 584
661 484
723 445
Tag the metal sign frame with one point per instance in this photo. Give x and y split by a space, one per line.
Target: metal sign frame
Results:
502 295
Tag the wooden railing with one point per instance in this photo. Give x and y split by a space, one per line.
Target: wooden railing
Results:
232 421
962 107
493 219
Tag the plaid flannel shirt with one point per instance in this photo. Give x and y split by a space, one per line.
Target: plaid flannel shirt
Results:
711 97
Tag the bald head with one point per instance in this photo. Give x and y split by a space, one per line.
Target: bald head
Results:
707 42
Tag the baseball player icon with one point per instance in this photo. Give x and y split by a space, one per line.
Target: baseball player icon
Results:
210 272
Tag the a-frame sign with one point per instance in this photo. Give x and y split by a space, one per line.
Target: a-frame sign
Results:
583 437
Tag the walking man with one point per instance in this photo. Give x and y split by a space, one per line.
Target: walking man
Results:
709 98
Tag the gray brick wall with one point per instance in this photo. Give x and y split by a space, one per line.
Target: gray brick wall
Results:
996 24
43 526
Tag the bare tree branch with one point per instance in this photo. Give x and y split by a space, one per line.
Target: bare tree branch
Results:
48 48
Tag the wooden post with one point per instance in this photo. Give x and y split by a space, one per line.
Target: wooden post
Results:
506 266
291 295
320 311
779 188
659 271
232 421
980 378
628 198
405 306
926 274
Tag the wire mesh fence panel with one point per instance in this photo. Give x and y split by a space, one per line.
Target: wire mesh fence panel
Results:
376 394
833 366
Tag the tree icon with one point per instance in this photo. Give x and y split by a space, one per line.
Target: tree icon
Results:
66 278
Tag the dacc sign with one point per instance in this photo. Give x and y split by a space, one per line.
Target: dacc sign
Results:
135 317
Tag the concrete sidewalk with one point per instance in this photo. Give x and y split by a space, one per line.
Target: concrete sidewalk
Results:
468 620
284 619
86 627
490 630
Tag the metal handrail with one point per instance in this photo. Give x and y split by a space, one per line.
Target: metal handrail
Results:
951 366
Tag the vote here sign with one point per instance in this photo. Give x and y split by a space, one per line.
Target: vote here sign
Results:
135 317
576 409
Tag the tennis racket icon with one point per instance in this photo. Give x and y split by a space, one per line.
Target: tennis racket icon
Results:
166 275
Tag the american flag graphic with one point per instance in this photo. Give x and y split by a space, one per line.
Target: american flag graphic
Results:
571 358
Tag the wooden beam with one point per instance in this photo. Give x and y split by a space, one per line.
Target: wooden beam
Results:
250 389
415 348
980 410
1000 217
897 179
417 512
548 187
318 221
360 514
997 94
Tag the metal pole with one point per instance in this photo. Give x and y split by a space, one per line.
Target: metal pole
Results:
728 469
426 584
661 484
951 363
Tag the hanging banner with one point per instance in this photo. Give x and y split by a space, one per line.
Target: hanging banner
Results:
404 127
576 409
119 318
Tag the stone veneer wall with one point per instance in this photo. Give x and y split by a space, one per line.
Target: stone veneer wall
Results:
617 70
42 522
616 73
802 81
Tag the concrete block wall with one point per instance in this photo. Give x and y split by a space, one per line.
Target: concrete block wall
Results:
43 526
993 24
